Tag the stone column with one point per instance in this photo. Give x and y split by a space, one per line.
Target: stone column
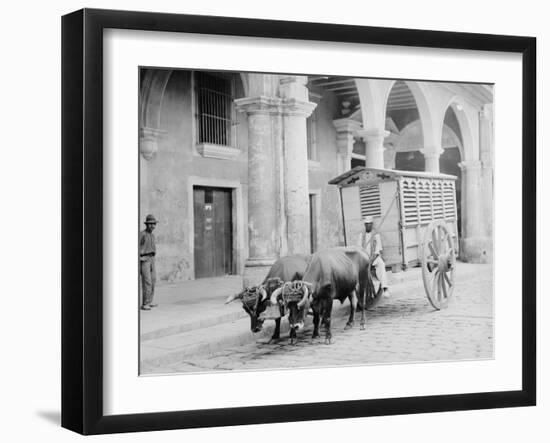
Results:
374 141
389 156
486 157
345 132
475 245
296 108
263 232
431 159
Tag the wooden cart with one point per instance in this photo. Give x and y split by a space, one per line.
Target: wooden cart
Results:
416 217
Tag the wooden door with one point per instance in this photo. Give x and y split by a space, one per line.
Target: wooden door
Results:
213 232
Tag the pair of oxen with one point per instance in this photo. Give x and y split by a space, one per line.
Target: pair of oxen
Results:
297 283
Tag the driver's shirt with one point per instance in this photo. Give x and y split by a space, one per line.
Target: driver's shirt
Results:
372 244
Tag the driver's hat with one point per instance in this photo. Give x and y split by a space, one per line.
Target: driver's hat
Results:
368 219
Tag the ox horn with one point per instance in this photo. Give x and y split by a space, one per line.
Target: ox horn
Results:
232 298
275 295
263 293
304 298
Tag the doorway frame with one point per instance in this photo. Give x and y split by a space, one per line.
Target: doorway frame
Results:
237 218
317 193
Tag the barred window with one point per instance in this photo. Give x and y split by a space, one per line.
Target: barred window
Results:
214 108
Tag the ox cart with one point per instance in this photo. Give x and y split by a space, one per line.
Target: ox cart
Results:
416 216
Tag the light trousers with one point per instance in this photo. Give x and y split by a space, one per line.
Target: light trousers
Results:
148 279
380 268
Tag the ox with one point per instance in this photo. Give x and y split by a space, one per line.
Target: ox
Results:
255 299
336 273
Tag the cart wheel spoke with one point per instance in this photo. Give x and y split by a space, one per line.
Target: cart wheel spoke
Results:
435 283
443 287
435 243
433 251
442 236
446 277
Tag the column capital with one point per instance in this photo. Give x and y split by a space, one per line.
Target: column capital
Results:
345 125
431 152
374 140
373 134
259 105
299 79
148 141
469 165
291 106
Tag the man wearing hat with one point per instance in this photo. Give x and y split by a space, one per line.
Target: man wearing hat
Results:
372 245
147 251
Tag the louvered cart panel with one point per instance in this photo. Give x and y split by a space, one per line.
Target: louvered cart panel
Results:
414 213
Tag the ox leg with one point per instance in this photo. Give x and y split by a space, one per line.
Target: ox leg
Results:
293 335
353 303
364 306
277 331
326 321
316 319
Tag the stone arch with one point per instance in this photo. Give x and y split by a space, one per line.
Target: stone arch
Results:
467 190
152 90
422 99
372 99
466 125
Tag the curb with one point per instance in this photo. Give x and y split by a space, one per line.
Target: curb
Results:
226 335
198 324
213 334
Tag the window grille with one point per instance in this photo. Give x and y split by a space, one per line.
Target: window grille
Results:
410 203
426 200
449 200
370 201
214 109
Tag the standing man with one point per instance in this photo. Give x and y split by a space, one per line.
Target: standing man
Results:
147 251
372 245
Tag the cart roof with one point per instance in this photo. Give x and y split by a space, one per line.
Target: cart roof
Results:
357 173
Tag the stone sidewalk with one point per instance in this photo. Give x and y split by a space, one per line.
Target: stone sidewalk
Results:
192 321
191 305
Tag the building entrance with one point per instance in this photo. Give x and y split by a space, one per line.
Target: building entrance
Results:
213 252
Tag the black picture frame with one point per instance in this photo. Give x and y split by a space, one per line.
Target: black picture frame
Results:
82 218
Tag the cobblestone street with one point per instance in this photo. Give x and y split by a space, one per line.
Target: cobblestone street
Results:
404 328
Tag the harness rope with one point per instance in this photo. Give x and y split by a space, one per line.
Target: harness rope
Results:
293 292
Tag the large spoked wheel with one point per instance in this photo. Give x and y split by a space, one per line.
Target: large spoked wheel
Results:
438 264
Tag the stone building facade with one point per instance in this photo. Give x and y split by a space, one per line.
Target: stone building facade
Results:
235 166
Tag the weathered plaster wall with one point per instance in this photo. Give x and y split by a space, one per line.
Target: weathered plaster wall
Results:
330 221
168 177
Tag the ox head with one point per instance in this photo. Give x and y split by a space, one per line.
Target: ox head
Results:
255 300
294 297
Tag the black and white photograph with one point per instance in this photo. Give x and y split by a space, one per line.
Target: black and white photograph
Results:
307 221
252 221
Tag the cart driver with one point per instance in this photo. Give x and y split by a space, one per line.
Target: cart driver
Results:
372 244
